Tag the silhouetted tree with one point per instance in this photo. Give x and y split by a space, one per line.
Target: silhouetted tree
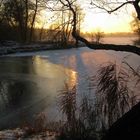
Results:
112 6
135 24
20 16
96 36
34 9
16 13
71 4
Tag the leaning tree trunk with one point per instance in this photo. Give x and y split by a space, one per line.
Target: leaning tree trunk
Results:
125 48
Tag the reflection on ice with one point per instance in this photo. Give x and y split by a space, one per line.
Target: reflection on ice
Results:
43 75
30 85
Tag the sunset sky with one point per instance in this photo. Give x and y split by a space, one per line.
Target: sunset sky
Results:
96 18
107 23
116 22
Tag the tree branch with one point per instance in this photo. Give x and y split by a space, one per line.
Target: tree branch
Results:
135 3
117 8
125 48
137 8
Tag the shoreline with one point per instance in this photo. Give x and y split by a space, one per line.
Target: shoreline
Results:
5 50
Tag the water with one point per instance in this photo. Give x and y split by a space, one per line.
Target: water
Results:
129 40
28 86
31 82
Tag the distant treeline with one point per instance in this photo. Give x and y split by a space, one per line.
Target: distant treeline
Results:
18 20
44 35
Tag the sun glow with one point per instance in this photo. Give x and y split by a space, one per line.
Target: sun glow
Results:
98 19
108 23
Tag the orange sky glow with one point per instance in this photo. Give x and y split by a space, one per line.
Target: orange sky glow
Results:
109 23
95 19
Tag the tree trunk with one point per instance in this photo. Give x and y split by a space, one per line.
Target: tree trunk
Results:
125 48
33 20
26 20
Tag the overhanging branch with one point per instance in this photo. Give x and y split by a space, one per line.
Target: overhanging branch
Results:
125 48
137 8
135 3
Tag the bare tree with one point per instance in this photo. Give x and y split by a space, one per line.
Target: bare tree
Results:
21 15
16 14
135 25
96 36
35 5
71 5
112 6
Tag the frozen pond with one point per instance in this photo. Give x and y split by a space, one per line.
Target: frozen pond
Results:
31 82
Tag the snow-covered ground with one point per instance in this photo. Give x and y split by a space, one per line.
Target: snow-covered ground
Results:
20 134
